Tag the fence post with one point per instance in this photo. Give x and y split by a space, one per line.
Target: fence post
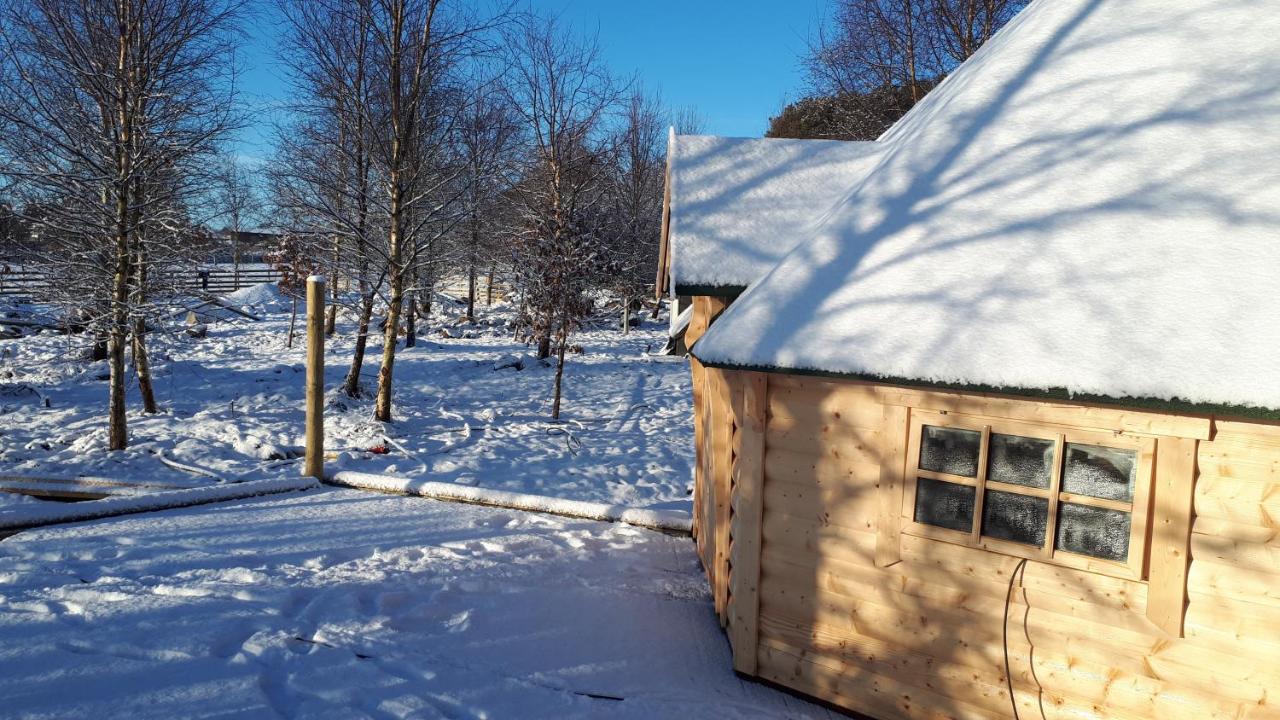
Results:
315 378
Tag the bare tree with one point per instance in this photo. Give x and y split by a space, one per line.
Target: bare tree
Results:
688 120
960 27
637 180
875 59
487 134
562 93
111 108
323 176
871 44
237 203
418 47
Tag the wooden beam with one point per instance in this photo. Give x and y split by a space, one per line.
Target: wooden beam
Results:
660 284
745 549
1171 533
1050 412
894 427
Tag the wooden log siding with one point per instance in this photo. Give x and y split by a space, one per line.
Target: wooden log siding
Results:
826 596
713 436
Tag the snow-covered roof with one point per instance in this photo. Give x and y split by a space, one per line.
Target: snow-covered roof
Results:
737 205
1090 204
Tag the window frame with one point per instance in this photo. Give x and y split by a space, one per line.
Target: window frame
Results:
1133 568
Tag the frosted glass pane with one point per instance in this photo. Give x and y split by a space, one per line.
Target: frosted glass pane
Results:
1020 460
948 450
1020 518
944 504
1099 532
1100 472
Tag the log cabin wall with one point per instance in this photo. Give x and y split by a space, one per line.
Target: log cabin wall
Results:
713 438
834 593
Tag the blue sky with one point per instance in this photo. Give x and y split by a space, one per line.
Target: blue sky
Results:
737 62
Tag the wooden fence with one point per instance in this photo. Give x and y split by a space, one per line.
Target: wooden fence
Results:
220 280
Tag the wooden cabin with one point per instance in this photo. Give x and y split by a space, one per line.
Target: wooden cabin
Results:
728 205
998 436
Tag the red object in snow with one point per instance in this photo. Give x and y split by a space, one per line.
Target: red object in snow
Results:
378 449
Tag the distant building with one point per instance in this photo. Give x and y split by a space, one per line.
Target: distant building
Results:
246 246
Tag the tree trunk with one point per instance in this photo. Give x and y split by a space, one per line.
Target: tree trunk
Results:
488 291
391 332
141 364
352 385
410 320
331 319
142 367
235 259
555 405
117 433
425 303
544 347
626 316
293 322
390 337
471 293
331 316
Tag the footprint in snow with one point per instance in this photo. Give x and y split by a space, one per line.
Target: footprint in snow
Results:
502 520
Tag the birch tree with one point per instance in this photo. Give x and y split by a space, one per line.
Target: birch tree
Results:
111 109
636 190
418 47
323 176
487 134
563 94
237 202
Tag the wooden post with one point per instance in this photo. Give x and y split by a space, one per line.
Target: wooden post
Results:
894 427
1171 533
315 378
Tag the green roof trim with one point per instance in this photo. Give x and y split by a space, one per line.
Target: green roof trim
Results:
1137 403
729 291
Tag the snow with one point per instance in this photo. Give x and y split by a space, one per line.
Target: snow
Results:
347 604
45 513
261 297
670 520
1088 204
232 405
738 204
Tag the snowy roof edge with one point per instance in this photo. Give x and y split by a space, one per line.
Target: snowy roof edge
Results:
1149 404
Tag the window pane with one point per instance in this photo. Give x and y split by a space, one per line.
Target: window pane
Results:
1100 472
1099 532
948 450
1020 460
1020 518
944 504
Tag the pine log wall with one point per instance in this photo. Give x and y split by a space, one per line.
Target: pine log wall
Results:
798 522
713 431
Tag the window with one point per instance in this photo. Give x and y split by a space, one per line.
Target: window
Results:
1075 497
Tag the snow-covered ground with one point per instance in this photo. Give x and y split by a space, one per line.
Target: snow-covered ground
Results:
346 604
349 603
232 404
